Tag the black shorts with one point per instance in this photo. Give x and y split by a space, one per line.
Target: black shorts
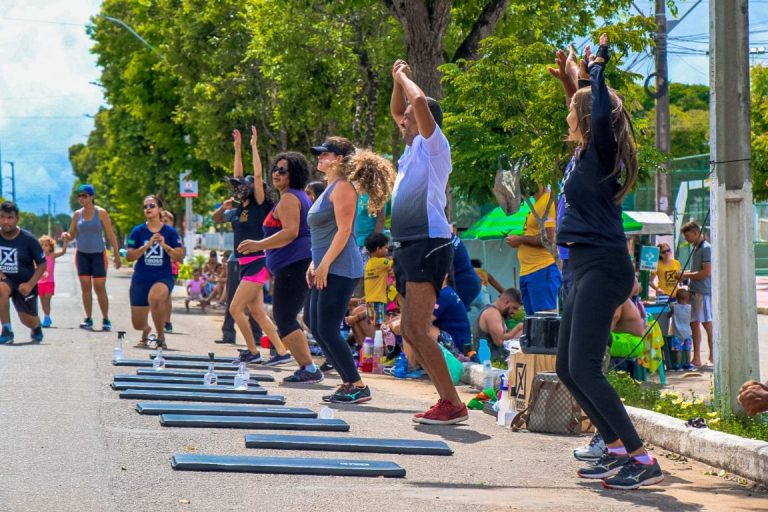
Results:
138 293
422 261
23 304
91 264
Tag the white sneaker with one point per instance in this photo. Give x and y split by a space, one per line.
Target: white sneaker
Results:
593 451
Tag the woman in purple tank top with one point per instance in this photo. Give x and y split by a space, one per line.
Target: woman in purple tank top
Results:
288 254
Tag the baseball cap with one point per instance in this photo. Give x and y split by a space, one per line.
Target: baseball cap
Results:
329 147
88 189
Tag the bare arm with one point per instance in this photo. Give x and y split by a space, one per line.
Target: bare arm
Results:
237 165
218 215
288 210
258 175
417 100
397 103
72 233
63 250
344 199
135 254
26 288
494 325
110 232
705 272
380 219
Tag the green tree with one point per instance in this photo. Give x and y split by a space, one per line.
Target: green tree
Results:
759 119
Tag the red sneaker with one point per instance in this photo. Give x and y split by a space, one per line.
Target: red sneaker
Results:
442 413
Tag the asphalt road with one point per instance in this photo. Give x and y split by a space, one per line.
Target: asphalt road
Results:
67 442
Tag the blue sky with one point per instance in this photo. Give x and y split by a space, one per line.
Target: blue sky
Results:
46 94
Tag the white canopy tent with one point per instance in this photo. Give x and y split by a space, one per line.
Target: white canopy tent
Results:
654 223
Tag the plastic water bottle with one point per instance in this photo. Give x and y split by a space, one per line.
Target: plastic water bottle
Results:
484 354
158 363
242 377
401 366
503 401
210 378
117 352
389 336
366 363
326 413
378 353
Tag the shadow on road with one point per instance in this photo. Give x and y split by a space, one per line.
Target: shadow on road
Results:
456 434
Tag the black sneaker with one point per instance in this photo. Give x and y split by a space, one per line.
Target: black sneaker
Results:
249 358
168 327
225 342
634 474
607 466
353 395
278 359
304 376
326 367
340 391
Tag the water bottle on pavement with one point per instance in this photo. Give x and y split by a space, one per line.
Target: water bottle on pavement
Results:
158 363
366 364
401 366
378 353
117 352
484 354
242 377
326 413
210 378
503 401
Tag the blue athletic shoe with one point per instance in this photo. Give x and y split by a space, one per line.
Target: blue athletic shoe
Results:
37 335
106 325
278 359
303 376
87 324
47 322
6 336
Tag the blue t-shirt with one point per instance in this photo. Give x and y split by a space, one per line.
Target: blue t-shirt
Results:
418 198
155 263
451 316
20 256
468 284
365 224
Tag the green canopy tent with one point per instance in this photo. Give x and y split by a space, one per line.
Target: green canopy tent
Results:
496 224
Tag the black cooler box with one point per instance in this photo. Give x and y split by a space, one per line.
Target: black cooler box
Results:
540 334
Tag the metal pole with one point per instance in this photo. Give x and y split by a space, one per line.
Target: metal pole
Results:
189 236
49 214
663 180
733 260
13 179
1 173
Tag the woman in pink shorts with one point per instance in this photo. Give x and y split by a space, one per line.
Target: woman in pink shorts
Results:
47 285
247 211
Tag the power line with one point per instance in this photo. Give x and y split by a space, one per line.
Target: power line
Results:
46 22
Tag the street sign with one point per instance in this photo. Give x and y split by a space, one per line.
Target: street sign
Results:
187 187
649 258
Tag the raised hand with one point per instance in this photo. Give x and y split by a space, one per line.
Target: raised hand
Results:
571 65
254 137
603 39
559 72
237 138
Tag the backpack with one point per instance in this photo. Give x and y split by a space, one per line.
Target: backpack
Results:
552 409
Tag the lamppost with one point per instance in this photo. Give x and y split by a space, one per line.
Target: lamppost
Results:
13 179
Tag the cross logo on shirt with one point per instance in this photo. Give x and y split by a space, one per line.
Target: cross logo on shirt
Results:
9 260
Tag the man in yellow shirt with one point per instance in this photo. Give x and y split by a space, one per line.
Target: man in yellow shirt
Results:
539 276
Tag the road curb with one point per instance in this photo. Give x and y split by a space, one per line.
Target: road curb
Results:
747 458
744 457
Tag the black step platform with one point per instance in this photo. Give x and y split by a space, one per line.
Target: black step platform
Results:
191 365
191 396
261 377
162 379
253 422
347 444
286 465
223 410
254 390
197 359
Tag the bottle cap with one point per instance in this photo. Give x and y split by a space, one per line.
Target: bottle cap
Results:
210 356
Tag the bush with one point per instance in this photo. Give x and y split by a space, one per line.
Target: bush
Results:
685 406
185 271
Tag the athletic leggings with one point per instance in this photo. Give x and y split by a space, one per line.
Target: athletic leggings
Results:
288 293
603 278
327 308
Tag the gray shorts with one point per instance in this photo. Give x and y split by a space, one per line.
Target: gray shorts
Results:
701 307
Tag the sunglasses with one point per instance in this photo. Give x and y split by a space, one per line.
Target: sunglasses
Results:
150 206
279 170
665 251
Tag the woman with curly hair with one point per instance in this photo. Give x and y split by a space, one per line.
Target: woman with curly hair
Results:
604 172
336 262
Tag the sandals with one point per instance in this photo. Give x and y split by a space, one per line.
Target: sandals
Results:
150 340
142 343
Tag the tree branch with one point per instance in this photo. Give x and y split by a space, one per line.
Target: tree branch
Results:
482 28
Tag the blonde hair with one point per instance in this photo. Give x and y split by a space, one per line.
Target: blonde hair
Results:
47 242
623 132
373 175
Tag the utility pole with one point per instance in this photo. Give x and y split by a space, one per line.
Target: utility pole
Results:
13 179
1 174
663 180
49 214
733 259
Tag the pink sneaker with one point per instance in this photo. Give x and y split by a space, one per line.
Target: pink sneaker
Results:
443 413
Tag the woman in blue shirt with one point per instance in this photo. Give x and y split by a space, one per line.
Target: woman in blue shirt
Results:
152 245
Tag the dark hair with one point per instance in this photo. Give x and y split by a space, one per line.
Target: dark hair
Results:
157 199
213 253
476 263
226 254
690 226
682 293
375 241
512 294
436 110
342 143
298 168
9 207
317 188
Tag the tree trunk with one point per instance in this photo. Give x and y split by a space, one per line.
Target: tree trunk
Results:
482 28
373 104
424 23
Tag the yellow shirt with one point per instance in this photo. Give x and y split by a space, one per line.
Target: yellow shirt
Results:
667 274
536 258
375 280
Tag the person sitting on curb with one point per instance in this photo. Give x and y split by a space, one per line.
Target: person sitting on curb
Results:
753 397
491 322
